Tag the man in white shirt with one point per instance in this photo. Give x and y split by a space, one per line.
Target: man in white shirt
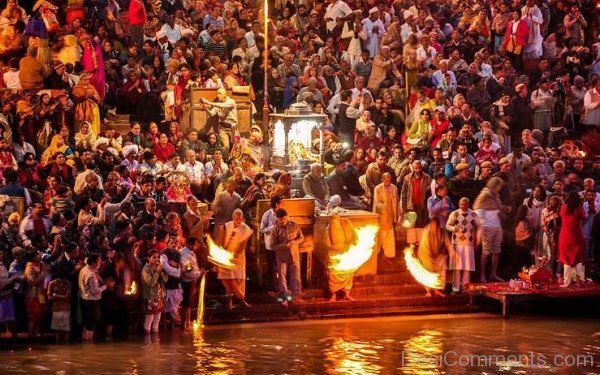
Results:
11 77
359 89
407 27
425 52
591 105
337 9
267 222
172 30
253 33
195 172
438 75
374 28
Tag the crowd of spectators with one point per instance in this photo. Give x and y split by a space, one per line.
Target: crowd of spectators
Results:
482 115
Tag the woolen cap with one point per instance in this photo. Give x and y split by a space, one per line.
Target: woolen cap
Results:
461 167
486 164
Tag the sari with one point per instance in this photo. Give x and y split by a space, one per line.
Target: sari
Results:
85 141
87 109
53 149
93 62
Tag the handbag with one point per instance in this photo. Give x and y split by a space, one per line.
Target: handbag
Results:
512 45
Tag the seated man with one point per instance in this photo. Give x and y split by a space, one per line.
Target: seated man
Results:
337 186
314 185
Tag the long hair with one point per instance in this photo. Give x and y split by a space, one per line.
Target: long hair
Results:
542 196
573 201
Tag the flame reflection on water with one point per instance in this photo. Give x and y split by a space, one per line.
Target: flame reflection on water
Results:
217 359
422 353
348 355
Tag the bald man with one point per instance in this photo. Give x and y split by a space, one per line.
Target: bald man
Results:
224 108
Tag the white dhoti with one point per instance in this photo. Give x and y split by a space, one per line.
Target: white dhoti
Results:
388 241
172 301
463 258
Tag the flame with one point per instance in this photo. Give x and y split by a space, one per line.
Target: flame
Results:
198 323
358 253
132 289
219 256
424 277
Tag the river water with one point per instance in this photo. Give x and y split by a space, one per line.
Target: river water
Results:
473 344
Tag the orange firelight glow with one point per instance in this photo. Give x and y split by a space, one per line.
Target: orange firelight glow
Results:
423 277
358 253
219 256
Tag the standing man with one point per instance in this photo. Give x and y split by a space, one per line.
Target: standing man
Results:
337 9
488 207
349 110
190 274
286 237
413 198
385 203
224 204
591 105
225 110
463 227
374 29
234 238
534 18
267 222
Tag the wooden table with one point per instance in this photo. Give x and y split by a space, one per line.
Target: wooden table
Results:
501 292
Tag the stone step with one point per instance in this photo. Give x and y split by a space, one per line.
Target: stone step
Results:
216 313
402 277
358 292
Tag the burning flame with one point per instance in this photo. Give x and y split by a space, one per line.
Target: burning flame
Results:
132 289
198 323
219 256
424 277
358 253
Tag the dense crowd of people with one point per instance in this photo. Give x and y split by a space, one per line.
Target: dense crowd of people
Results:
464 125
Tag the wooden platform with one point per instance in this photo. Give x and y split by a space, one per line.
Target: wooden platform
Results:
505 295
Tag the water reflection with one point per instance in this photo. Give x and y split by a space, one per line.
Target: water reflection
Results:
347 354
361 346
219 357
423 353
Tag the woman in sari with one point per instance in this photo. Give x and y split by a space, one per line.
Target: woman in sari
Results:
57 145
175 134
61 168
419 132
182 100
87 101
85 138
212 144
93 62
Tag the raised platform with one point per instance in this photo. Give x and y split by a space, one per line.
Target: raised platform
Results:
506 295
392 291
